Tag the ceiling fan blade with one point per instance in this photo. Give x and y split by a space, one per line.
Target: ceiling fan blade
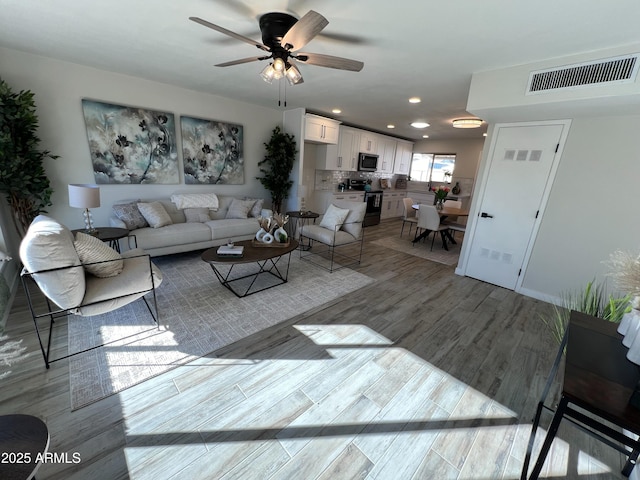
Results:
329 61
238 62
304 30
235 35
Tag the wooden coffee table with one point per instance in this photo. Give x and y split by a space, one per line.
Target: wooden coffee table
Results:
272 267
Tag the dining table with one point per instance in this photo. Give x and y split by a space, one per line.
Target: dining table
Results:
444 213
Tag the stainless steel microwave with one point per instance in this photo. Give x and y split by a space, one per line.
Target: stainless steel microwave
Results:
367 162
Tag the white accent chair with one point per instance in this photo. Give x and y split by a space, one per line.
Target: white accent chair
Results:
409 216
51 262
340 245
429 219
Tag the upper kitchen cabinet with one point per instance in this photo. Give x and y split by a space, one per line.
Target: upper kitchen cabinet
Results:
348 149
368 142
320 129
386 154
404 152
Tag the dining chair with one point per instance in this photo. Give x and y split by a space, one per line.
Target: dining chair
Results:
451 220
409 215
429 219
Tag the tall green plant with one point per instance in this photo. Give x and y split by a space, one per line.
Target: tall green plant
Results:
592 301
277 165
23 179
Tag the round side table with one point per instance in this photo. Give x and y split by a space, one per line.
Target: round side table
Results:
301 219
24 439
108 234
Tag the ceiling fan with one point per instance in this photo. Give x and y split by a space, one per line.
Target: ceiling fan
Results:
283 36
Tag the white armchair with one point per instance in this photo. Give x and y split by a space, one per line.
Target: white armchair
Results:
337 241
51 261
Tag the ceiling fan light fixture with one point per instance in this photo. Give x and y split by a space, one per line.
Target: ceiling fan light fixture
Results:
293 75
279 65
419 124
268 74
467 123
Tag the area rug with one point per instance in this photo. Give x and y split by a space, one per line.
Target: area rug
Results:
423 249
202 316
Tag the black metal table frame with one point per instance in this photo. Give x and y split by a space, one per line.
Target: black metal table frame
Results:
273 270
595 428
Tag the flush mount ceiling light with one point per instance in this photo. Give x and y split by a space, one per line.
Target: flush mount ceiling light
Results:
467 123
414 100
391 125
419 124
425 136
336 110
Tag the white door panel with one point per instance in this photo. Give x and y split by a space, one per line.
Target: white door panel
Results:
519 170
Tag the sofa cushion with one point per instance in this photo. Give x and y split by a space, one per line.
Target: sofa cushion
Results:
90 249
334 217
155 214
196 215
130 215
48 245
239 208
224 202
170 235
233 227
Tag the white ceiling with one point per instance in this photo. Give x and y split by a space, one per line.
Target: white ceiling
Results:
424 48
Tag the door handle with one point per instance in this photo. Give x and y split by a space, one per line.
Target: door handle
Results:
486 215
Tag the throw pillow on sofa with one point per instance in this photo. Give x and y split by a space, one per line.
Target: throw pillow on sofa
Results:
155 214
90 250
240 208
130 215
197 215
334 217
256 210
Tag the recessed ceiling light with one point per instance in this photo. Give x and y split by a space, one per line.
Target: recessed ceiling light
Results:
419 124
415 100
391 126
425 136
467 123
336 110
484 134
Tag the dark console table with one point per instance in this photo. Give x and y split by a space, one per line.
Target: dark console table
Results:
599 380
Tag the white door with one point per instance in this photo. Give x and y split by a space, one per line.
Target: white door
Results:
520 165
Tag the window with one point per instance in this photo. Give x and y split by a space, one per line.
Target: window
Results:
432 167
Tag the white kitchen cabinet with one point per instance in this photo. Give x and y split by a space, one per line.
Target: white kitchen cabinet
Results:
321 129
392 204
348 149
325 198
368 142
402 160
386 154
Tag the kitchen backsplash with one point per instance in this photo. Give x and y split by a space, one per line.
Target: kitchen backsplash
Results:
329 179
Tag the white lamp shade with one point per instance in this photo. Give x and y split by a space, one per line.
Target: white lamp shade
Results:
84 196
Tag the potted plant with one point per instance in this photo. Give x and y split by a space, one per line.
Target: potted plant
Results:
277 165
22 175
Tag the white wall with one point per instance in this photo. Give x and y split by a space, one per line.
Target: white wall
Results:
592 208
59 87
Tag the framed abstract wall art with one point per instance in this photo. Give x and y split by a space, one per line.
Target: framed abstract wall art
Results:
131 145
212 152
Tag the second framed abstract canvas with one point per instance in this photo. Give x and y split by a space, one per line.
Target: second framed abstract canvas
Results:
212 152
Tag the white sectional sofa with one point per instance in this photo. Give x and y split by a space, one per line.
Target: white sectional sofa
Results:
188 229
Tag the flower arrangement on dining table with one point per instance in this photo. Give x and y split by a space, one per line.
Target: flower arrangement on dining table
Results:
441 193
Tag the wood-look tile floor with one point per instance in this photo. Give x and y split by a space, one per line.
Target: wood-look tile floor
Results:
421 375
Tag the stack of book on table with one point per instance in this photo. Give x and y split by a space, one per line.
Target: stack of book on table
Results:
230 251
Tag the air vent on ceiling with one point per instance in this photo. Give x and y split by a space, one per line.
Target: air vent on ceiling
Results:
615 70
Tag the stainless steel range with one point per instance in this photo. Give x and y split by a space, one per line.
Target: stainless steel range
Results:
373 199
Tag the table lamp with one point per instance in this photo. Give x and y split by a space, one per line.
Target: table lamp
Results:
85 196
302 193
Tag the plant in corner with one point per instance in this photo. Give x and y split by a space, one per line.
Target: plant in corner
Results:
22 175
277 165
